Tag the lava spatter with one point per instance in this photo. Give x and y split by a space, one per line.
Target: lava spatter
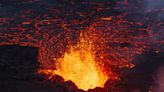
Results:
79 66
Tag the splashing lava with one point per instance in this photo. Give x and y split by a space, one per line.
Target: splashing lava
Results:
78 65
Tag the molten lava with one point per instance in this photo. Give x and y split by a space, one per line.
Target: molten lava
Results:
79 66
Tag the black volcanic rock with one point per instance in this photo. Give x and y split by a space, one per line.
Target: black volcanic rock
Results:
18 67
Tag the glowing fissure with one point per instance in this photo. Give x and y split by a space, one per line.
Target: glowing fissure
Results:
79 66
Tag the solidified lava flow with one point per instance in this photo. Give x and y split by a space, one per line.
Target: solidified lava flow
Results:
86 42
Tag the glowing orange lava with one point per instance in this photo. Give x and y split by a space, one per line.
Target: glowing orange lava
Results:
78 65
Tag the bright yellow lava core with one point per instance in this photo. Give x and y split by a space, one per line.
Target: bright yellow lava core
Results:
79 66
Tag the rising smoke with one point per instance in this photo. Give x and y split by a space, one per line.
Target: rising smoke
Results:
157 5
159 80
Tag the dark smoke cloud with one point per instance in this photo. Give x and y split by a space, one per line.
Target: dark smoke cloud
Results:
154 4
159 80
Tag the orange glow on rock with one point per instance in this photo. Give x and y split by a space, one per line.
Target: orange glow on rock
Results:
107 19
